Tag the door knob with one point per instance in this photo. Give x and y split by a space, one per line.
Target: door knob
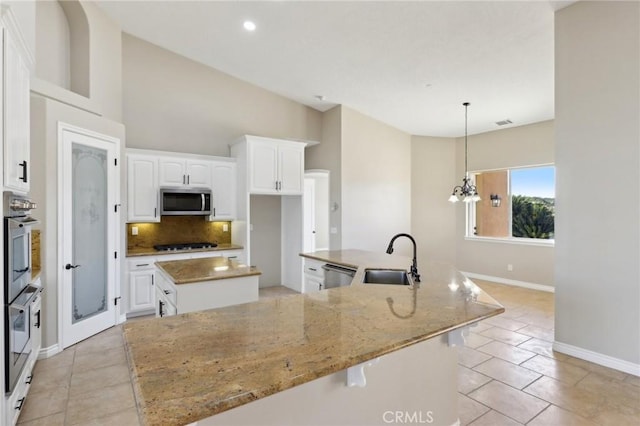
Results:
70 266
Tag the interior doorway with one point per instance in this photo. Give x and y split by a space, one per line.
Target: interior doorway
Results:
87 233
316 211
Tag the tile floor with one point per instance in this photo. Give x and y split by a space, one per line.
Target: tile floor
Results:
508 376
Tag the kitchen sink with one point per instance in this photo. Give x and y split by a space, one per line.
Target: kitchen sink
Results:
386 276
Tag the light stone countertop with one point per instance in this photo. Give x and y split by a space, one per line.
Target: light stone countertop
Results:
192 366
150 251
189 271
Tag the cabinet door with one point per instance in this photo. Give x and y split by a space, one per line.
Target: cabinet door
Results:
142 189
141 290
223 187
291 169
172 172
263 160
16 117
312 284
199 173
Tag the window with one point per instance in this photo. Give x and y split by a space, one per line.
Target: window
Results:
517 204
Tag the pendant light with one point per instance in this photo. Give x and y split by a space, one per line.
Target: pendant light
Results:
466 192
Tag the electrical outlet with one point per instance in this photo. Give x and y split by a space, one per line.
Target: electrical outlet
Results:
225 227
509 267
134 230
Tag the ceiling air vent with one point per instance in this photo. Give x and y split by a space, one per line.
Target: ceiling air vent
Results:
504 122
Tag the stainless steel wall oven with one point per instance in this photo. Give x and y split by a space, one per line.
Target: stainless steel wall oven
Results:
19 292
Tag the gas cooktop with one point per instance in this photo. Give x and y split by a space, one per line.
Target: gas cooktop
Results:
184 246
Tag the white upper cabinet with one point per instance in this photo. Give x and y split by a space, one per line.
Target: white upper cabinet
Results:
223 188
148 171
291 169
182 172
15 108
275 166
142 188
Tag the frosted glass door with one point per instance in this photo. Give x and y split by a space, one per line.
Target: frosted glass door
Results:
89 232
88 235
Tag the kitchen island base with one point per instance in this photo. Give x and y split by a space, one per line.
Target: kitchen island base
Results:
415 385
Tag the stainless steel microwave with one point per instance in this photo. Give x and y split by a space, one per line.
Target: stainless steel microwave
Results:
185 201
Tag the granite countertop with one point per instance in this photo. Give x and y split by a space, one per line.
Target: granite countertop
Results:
193 366
150 251
205 269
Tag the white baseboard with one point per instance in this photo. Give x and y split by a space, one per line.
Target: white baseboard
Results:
597 358
49 351
499 280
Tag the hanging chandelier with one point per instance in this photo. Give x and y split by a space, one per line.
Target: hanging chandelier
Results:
466 192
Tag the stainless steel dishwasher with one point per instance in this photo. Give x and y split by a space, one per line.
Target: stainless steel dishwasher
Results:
337 275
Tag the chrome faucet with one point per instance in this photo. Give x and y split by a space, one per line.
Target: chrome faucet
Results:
414 264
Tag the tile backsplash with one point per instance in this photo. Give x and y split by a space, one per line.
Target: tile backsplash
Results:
178 229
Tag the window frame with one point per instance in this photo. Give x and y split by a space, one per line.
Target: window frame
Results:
470 214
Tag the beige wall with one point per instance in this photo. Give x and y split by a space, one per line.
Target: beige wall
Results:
52 44
266 238
598 152
327 155
433 220
174 104
518 146
376 183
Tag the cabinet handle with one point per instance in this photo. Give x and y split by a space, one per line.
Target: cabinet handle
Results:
29 379
160 305
20 402
153 280
188 179
319 286
155 212
37 324
24 171
313 269
142 264
276 185
184 179
214 211
167 292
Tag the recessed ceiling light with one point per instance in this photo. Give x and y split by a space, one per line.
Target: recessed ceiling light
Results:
249 25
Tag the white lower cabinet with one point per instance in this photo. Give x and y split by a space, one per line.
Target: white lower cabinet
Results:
175 299
143 278
313 276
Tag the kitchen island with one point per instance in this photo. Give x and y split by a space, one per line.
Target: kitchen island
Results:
289 360
196 284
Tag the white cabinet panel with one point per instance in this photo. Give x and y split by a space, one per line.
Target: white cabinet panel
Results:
263 167
141 290
275 166
172 172
291 169
142 189
223 187
183 172
198 173
16 116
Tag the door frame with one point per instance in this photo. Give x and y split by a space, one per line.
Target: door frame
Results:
62 127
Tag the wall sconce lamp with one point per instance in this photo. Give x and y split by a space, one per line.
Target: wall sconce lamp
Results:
495 200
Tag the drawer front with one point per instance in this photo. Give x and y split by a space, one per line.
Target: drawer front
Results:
141 263
313 268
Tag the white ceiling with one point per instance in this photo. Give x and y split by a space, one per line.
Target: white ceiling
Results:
408 64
